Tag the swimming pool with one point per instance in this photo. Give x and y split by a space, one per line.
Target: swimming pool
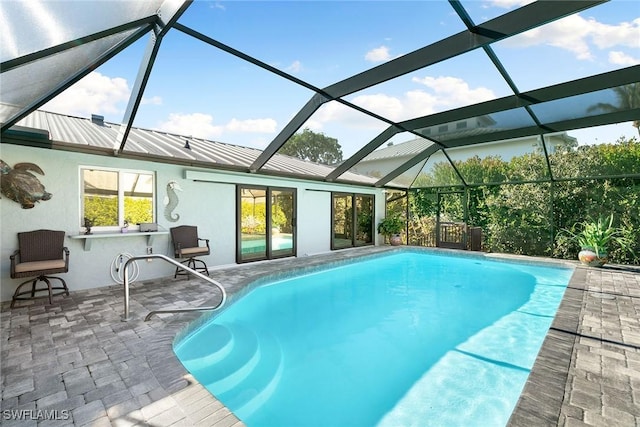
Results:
411 338
251 244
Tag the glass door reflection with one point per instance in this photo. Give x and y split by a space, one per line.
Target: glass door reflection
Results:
267 223
253 224
282 223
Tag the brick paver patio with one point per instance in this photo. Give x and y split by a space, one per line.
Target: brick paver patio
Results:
77 363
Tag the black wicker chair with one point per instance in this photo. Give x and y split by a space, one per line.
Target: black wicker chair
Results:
40 253
186 246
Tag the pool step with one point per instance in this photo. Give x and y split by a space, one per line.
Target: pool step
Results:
214 343
256 387
221 374
244 372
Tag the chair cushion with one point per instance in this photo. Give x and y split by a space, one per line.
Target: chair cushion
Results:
40 245
195 251
39 265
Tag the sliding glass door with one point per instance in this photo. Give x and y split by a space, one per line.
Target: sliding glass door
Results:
267 223
352 220
363 221
342 221
282 222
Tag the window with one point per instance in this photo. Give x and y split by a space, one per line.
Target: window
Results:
461 125
110 197
352 227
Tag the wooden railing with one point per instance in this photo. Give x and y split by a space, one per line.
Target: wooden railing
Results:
451 235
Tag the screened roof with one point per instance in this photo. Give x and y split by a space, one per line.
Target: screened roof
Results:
250 50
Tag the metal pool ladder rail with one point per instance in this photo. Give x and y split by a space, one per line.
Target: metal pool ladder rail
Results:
125 317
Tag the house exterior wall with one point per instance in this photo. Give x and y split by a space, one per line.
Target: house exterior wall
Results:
209 203
507 149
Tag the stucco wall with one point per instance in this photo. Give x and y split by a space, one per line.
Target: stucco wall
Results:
208 203
507 149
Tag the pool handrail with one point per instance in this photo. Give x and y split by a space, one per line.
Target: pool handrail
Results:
125 317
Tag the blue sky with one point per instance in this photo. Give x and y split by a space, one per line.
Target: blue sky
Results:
198 90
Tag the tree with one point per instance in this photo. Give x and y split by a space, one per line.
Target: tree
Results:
628 99
315 147
526 218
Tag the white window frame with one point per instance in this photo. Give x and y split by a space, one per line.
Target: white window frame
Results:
121 172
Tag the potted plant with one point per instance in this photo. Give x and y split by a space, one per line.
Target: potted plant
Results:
391 227
88 223
594 238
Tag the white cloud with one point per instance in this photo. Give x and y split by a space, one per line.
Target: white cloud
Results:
569 33
577 35
154 100
202 125
624 34
419 103
379 54
330 112
436 94
314 125
384 105
252 125
197 124
94 94
295 67
451 92
621 58
335 113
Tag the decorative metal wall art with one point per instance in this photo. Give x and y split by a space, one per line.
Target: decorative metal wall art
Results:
20 185
171 201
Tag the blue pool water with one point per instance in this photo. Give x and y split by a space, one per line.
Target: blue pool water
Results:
260 245
408 339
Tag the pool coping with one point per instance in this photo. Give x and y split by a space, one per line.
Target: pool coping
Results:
542 397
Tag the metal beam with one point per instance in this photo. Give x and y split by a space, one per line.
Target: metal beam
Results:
363 152
593 83
517 21
208 40
550 93
41 54
424 155
136 93
277 143
596 120
167 15
566 125
559 126
512 23
524 100
537 181
455 168
298 120
71 80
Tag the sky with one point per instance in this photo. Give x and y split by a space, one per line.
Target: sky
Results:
200 91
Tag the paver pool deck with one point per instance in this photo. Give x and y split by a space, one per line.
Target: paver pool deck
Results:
76 362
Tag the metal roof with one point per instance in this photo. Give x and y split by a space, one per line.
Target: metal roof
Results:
36 67
83 134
